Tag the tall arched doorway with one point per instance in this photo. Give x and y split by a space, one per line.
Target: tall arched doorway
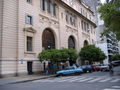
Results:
48 39
71 42
86 43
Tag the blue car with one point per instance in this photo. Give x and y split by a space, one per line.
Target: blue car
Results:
69 70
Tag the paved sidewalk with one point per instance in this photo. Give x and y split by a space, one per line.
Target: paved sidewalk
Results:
20 79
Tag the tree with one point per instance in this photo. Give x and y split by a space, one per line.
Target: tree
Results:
44 55
64 55
52 55
91 53
56 56
73 55
116 57
110 13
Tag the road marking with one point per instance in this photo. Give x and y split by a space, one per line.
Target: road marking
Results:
67 79
41 81
116 87
107 79
85 80
116 80
94 80
81 78
111 89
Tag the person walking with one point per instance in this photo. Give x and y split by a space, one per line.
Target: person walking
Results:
111 69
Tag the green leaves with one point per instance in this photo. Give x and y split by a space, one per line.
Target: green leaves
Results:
91 53
116 57
110 13
55 55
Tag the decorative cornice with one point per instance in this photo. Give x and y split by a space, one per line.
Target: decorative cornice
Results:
30 29
72 30
75 11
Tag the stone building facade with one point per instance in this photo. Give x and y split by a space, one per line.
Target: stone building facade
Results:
29 26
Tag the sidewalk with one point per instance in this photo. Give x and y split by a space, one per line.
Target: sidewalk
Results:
20 79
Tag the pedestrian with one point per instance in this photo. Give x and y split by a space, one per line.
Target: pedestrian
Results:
47 70
111 69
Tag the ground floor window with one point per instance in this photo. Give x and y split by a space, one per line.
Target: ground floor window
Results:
29 43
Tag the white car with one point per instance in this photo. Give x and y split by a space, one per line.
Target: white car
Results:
104 67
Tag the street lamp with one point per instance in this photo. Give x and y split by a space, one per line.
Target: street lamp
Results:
48 47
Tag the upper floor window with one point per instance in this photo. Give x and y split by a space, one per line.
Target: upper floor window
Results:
66 17
48 6
61 15
71 19
54 9
88 27
85 26
81 11
29 20
29 1
82 25
42 2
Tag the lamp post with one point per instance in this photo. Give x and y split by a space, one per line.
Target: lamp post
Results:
49 47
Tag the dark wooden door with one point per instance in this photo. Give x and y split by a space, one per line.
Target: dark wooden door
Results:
29 67
71 42
48 40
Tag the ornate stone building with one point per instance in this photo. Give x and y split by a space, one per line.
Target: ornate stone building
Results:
29 26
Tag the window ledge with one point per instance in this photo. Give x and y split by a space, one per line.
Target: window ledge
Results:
29 52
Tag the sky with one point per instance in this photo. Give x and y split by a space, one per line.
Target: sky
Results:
102 1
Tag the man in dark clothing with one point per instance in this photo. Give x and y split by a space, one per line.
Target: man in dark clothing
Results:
111 69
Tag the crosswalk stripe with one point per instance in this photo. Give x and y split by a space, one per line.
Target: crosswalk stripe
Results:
81 78
85 80
116 87
67 79
111 89
116 80
94 80
107 79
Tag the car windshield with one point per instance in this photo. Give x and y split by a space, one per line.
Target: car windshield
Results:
67 68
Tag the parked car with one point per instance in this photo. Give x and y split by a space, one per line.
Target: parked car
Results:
86 68
116 62
96 67
104 67
69 70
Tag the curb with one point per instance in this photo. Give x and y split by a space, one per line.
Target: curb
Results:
24 81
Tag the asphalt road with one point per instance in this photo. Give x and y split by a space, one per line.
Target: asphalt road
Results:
88 81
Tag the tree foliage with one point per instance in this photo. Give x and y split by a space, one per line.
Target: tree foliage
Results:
55 55
52 55
73 55
91 53
116 57
110 13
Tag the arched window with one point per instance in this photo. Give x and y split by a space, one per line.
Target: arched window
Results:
71 42
48 40
86 43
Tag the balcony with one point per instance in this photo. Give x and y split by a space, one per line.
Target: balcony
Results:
110 49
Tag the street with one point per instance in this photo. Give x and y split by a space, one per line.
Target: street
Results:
88 81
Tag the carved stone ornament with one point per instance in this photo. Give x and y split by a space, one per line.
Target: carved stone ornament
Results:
30 29
69 29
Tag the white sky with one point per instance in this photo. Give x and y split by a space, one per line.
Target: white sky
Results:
102 1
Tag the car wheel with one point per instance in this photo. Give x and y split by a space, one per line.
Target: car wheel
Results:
61 74
77 73
90 71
